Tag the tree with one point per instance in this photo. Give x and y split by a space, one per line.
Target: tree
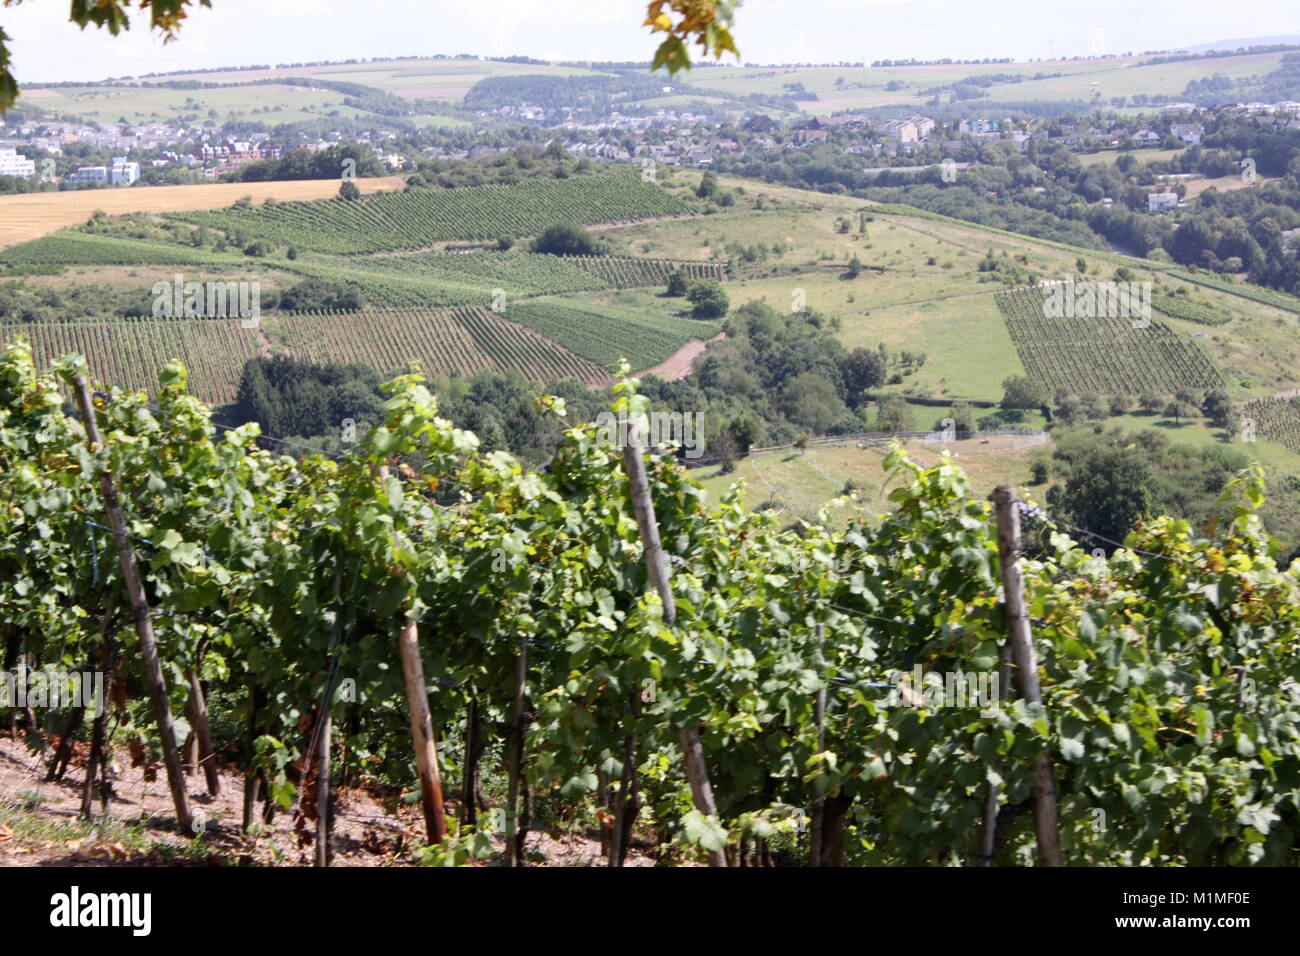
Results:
1107 490
1120 404
810 400
1021 391
568 239
855 268
320 295
1217 407
861 369
1151 403
708 187
709 298
745 431
893 415
677 284
349 190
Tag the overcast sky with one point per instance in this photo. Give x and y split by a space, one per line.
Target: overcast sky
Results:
47 47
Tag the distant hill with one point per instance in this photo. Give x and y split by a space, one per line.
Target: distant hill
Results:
1241 44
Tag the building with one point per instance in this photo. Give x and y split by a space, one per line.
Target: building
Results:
122 173
910 130
91 174
978 125
12 163
1158 201
1188 132
809 132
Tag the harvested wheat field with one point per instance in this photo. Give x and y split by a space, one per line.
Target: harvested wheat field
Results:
32 215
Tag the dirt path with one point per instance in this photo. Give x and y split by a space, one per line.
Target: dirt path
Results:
678 365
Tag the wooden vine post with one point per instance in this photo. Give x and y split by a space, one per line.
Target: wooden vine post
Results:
989 829
817 816
657 569
140 610
324 820
1046 829
515 757
417 701
198 714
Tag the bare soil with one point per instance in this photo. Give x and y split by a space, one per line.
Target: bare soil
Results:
40 825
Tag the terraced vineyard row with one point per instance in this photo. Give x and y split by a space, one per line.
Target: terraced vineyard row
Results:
632 272
1276 420
79 248
470 278
447 342
388 221
606 335
516 346
129 352
1255 293
1102 355
1179 307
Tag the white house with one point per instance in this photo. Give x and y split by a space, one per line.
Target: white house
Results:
1158 201
12 163
1188 132
122 173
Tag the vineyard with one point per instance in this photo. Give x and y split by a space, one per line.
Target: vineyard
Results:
131 351
1245 290
1276 420
607 334
413 220
629 272
83 249
1107 356
739 695
479 277
452 342
1180 307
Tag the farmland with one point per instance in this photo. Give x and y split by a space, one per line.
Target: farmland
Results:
79 248
1108 356
129 352
1276 420
605 334
417 219
479 277
631 272
31 215
453 342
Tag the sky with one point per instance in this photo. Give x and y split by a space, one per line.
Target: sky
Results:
46 47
